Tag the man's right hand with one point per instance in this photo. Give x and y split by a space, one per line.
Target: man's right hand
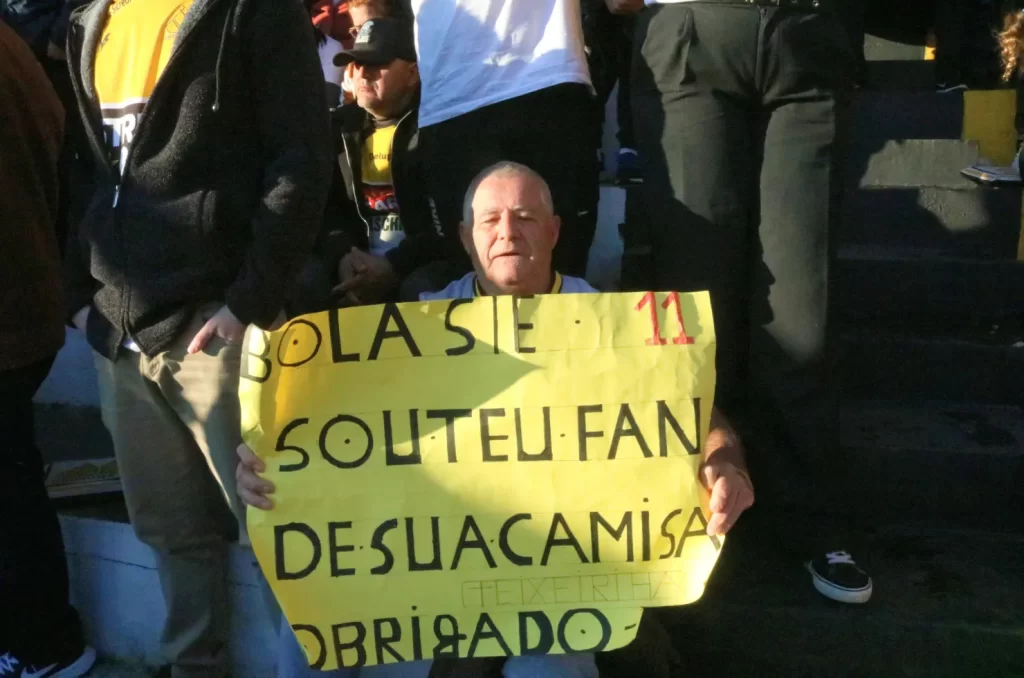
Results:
81 319
624 6
252 489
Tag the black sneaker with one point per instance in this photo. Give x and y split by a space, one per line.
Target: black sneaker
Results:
836 576
60 667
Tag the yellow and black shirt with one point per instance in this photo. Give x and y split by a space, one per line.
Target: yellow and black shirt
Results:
134 49
380 206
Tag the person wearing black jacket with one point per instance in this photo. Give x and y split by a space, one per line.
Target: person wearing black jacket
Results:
381 239
211 181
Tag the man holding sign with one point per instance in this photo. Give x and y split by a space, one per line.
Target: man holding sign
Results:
509 231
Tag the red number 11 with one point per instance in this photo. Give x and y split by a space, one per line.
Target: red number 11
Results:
651 302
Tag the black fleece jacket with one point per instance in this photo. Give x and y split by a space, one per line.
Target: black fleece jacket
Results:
224 186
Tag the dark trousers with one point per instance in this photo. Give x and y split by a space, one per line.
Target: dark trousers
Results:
35 617
950 27
737 112
542 130
609 39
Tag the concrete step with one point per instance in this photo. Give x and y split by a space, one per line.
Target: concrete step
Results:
913 163
875 287
879 117
946 604
909 47
115 588
964 366
975 221
935 464
900 75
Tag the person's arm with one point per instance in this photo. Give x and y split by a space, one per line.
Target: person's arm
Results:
295 137
724 474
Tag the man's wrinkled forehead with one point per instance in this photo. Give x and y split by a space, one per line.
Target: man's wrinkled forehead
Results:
517 192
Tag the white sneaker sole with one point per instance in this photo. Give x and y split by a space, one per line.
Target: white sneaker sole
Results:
80 667
839 594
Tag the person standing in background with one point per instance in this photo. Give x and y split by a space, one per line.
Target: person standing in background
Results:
738 109
507 79
609 40
40 634
211 137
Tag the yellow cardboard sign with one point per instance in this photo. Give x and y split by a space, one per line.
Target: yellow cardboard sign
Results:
482 477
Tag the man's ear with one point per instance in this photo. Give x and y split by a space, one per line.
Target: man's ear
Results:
556 230
466 236
414 73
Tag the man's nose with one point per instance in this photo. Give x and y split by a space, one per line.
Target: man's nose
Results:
508 228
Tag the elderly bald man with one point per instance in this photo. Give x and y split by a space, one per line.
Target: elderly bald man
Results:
509 229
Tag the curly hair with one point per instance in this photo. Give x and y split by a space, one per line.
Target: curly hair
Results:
1011 44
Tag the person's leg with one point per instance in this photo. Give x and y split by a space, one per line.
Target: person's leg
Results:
549 132
36 623
791 377
950 24
176 507
456 150
624 38
698 154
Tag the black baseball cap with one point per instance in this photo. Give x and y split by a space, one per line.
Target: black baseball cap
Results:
380 41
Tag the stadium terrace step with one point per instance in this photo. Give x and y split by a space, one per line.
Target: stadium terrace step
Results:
929 464
892 291
945 605
965 366
914 163
886 116
976 221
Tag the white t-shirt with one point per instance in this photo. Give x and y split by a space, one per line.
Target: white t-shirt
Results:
473 53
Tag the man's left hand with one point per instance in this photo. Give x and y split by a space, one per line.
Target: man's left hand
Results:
374 279
731 494
223 324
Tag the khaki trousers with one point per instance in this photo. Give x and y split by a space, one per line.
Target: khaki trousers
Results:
174 420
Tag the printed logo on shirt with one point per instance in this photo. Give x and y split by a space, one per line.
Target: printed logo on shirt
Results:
380 198
138 40
119 126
